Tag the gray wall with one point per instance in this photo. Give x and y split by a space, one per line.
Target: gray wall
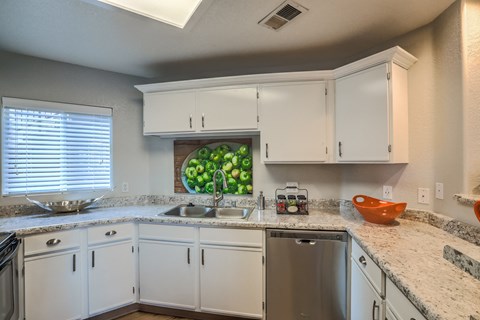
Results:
39 79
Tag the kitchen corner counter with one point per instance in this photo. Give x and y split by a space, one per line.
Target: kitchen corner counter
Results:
411 255
409 252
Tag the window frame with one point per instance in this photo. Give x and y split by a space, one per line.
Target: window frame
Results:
60 107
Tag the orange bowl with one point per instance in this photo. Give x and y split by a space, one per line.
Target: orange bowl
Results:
476 208
376 210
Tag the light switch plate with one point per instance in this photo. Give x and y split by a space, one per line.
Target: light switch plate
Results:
439 190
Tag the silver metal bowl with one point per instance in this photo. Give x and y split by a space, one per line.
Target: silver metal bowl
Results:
65 205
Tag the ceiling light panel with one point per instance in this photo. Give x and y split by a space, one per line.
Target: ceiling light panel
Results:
174 12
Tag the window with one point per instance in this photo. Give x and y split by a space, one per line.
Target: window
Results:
52 147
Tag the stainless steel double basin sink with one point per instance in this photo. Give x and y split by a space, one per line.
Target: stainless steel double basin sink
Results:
189 211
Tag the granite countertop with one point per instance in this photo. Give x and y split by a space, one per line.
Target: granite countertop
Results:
409 252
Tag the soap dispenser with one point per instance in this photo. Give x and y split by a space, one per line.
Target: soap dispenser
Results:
261 201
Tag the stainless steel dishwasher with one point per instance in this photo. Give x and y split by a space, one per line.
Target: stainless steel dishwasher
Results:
306 275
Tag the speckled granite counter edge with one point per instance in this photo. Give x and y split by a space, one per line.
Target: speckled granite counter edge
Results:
460 229
463 261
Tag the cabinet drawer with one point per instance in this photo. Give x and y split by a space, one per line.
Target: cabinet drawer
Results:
111 232
399 305
231 237
371 270
166 232
51 241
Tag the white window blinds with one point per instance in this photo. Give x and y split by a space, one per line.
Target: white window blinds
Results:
52 147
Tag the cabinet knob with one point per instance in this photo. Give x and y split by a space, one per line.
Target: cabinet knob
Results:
110 233
190 121
53 242
266 150
203 120
363 260
340 149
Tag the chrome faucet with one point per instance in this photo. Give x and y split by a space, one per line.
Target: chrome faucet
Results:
219 197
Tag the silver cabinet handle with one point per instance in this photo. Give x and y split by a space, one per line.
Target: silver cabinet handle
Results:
363 260
266 150
110 233
53 242
203 120
93 259
340 149
203 257
188 255
74 262
190 121
375 306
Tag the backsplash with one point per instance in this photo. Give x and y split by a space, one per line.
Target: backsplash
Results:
460 229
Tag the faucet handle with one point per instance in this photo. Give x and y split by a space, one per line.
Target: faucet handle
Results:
234 204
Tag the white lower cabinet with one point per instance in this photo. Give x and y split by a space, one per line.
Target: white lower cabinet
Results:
231 281
366 303
167 274
111 273
212 270
53 287
231 271
398 306
167 266
373 295
52 275
111 277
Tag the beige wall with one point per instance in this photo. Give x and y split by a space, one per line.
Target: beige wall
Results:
436 119
33 78
443 117
471 45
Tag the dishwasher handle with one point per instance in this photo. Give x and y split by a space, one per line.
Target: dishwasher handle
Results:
305 242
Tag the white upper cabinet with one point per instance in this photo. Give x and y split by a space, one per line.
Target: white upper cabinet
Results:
364 121
169 112
371 115
227 109
197 112
293 122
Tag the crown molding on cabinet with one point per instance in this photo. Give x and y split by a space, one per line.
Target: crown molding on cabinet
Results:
396 55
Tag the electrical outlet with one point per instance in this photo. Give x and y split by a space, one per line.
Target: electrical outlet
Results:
423 195
439 190
387 192
124 186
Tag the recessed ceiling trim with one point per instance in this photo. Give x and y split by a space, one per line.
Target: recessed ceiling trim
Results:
173 12
282 15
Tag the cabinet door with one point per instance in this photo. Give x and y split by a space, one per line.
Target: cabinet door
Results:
293 123
365 303
399 305
167 274
169 112
231 281
53 287
389 314
362 118
111 277
227 109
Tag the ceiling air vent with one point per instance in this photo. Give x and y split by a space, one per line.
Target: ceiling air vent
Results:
282 15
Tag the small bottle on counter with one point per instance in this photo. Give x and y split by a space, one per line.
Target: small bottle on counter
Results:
281 204
292 203
302 203
261 201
